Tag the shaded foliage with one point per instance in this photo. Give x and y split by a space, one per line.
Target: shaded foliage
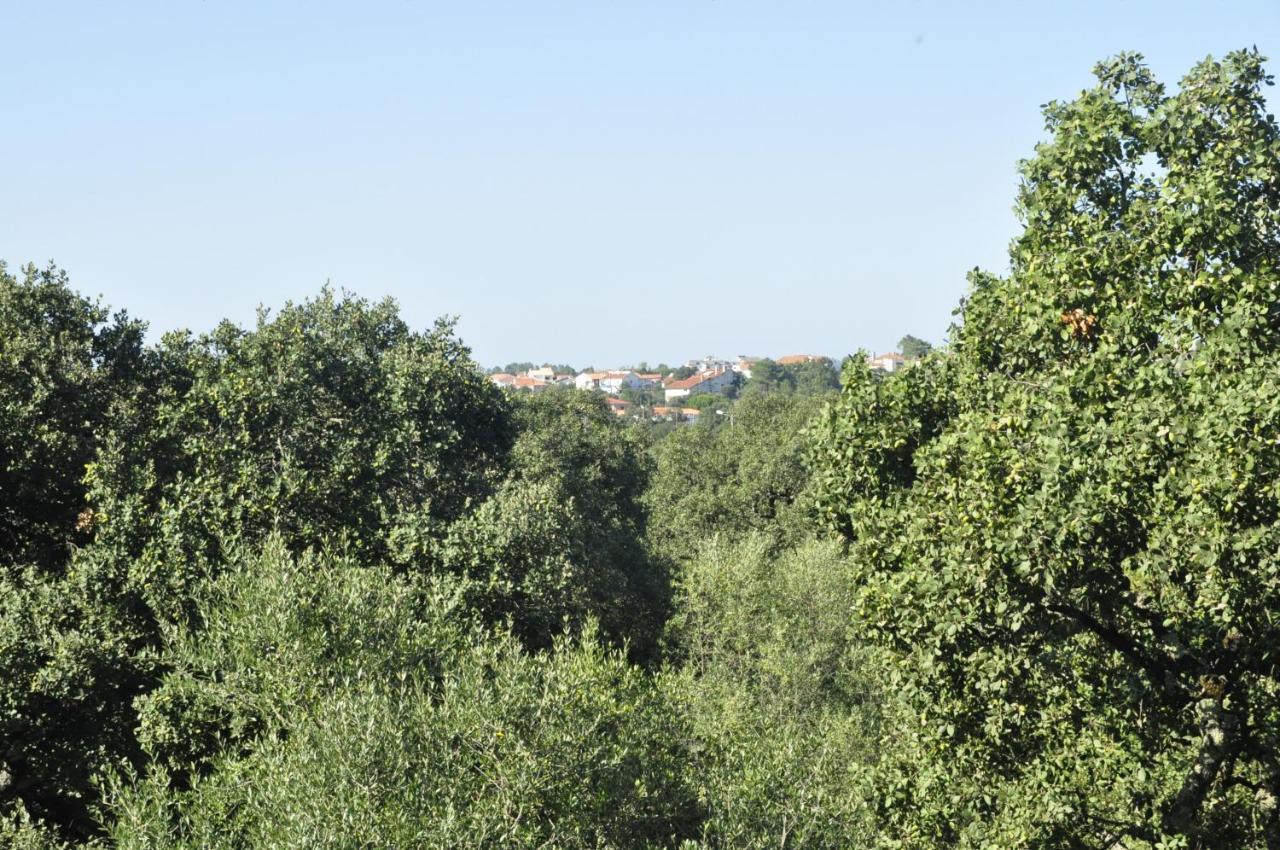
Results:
563 537
63 365
329 421
913 348
807 378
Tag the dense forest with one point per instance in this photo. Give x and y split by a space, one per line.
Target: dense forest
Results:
319 583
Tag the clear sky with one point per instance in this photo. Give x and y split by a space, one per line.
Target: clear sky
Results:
598 182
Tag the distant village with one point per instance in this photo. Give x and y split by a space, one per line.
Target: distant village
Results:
639 393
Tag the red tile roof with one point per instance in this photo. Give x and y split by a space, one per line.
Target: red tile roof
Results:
694 380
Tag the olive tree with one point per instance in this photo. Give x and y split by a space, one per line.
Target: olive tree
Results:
328 704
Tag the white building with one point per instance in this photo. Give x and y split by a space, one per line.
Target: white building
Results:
890 361
589 380
714 381
614 382
744 364
709 364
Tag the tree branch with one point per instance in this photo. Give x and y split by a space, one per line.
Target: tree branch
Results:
1161 671
1220 741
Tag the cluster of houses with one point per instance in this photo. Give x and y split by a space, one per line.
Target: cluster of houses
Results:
612 382
711 376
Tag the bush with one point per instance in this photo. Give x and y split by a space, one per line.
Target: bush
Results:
73 655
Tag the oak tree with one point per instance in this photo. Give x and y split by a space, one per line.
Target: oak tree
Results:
1065 531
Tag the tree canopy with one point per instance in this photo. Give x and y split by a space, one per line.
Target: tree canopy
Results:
1065 533
329 427
913 348
318 583
806 378
721 478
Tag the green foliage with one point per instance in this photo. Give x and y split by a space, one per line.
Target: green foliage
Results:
913 348
384 720
330 421
808 378
20 832
1065 529
329 426
813 377
778 694
767 378
62 366
705 401
645 396
747 475
72 658
562 537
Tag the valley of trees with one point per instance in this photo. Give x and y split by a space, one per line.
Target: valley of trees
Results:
319 583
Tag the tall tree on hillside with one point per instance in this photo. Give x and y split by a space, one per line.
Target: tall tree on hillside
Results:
913 348
768 378
1065 534
814 377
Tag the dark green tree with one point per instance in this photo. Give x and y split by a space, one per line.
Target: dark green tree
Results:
913 348
68 664
768 378
1065 532
63 365
814 377
330 422
562 538
716 479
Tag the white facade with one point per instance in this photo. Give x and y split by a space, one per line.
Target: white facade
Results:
588 381
718 381
890 362
671 395
614 382
709 364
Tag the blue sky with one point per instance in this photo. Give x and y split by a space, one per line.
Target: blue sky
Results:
595 182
